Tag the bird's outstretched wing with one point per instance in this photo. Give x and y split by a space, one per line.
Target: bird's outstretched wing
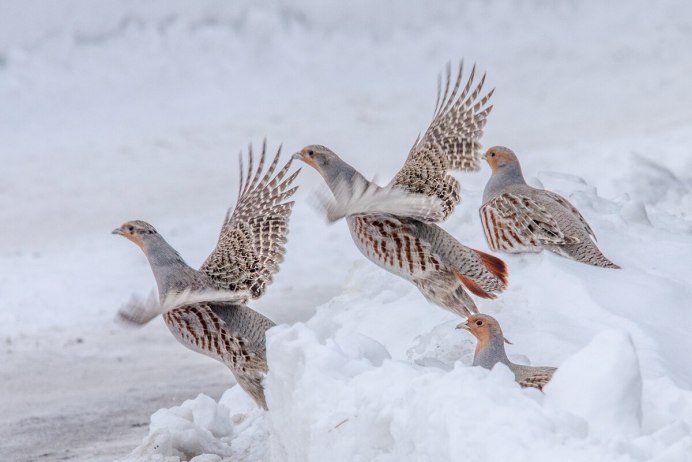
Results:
517 223
451 142
252 239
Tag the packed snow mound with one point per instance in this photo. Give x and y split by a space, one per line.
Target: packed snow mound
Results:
330 403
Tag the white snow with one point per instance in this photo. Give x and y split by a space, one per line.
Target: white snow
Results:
136 110
618 409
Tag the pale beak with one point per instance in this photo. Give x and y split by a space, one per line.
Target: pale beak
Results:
464 325
118 231
298 156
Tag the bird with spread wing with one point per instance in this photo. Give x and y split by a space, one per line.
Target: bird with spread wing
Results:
206 309
395 226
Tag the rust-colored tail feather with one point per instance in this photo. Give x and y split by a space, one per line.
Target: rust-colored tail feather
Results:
495 266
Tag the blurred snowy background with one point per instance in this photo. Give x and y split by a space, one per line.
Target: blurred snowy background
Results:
119 110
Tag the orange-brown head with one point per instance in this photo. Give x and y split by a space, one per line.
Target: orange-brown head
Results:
317 156
136 231
500 156
485 328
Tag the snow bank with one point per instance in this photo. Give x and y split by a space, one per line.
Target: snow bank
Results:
379 374
330 402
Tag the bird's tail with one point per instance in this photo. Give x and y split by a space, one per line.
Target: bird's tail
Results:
486 278
587 253
495 266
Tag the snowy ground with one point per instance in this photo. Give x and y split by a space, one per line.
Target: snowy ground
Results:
135 110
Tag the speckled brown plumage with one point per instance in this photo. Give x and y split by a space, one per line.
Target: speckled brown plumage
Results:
252 239
451 142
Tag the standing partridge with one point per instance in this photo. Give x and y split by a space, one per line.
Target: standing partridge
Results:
490 350
248 253
517 218
400 235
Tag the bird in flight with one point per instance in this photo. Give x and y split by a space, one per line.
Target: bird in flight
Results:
206 309
395 226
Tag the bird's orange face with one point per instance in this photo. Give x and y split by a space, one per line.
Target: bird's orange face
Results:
479 327
483 327
135 231
498 156
309 155
128 232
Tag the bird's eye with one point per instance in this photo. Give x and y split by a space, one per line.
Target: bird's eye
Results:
492 154
311 153
130 228
479 323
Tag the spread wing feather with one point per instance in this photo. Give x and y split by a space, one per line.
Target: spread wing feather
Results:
252 240
451 142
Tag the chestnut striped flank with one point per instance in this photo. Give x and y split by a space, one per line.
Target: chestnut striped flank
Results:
433 260
386 241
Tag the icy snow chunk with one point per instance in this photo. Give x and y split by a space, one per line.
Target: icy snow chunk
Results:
202 430
601 384
196 427
442 347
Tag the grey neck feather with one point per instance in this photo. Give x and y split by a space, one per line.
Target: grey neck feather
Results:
339 173
169 268
492 354
507 175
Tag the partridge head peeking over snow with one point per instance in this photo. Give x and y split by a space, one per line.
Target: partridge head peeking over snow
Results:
490 350
518 218
206 309
394 226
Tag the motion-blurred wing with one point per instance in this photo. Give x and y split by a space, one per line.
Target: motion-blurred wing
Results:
138 312
358 196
